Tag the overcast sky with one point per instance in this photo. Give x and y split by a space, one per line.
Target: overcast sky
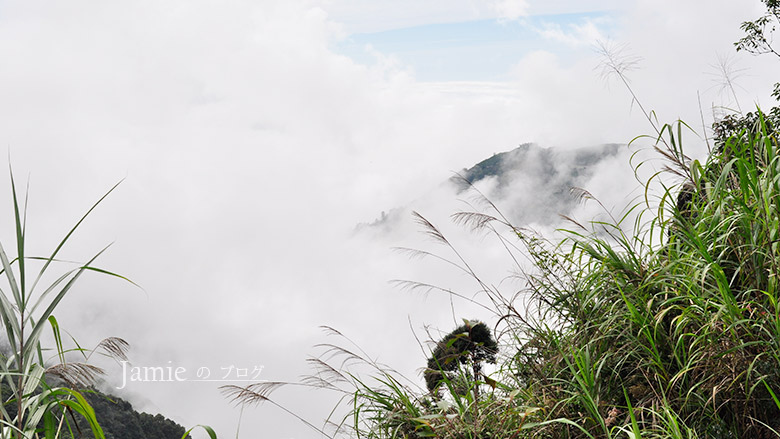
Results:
253 136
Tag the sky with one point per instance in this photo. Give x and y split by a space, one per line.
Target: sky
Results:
252 137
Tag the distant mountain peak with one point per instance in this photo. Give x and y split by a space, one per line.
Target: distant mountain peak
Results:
505 165
532 182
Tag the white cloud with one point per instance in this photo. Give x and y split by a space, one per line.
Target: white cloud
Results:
510 9
251 151
576 35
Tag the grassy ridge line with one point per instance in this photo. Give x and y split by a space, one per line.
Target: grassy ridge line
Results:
628 338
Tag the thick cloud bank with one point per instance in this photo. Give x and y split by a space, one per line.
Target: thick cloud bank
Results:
250 149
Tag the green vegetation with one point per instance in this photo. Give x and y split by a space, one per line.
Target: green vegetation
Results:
30 406
42 388
469 344
758 37
669 329
663 322
660 323
119 420
670 340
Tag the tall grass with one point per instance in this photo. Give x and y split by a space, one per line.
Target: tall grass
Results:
664 327
678 337
663 322
660 323
31 407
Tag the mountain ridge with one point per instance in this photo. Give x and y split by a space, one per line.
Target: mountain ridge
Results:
526 175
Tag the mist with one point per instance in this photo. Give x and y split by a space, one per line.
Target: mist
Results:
249 150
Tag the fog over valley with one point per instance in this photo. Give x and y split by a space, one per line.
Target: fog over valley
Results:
272 156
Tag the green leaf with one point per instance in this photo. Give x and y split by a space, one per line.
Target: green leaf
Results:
55 327
82 407
208 429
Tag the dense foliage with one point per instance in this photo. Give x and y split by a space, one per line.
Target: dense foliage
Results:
120 421
668 329
681 336
469 344
662 323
